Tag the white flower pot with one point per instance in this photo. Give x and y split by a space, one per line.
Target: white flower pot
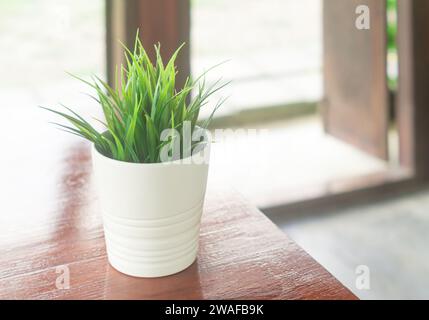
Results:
151 213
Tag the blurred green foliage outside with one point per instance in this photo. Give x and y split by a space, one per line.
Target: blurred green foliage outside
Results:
392 27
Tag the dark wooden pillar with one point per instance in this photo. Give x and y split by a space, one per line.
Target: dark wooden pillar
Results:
163 21
413 89
355 105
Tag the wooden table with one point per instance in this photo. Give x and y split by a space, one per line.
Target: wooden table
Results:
50 226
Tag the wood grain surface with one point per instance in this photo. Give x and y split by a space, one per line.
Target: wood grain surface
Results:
50 221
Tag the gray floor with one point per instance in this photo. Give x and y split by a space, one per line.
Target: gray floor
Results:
389 237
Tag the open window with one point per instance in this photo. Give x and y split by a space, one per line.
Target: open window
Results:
356 105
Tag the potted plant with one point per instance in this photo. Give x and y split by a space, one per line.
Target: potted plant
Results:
150 163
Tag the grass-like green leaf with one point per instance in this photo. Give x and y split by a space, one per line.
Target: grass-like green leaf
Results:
143 102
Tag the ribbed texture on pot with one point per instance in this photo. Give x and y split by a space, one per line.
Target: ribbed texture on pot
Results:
153 247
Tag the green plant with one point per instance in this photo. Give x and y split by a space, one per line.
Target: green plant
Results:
391 24
143 103
392 30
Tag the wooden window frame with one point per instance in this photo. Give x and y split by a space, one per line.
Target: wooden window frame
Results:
412 115
171 29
